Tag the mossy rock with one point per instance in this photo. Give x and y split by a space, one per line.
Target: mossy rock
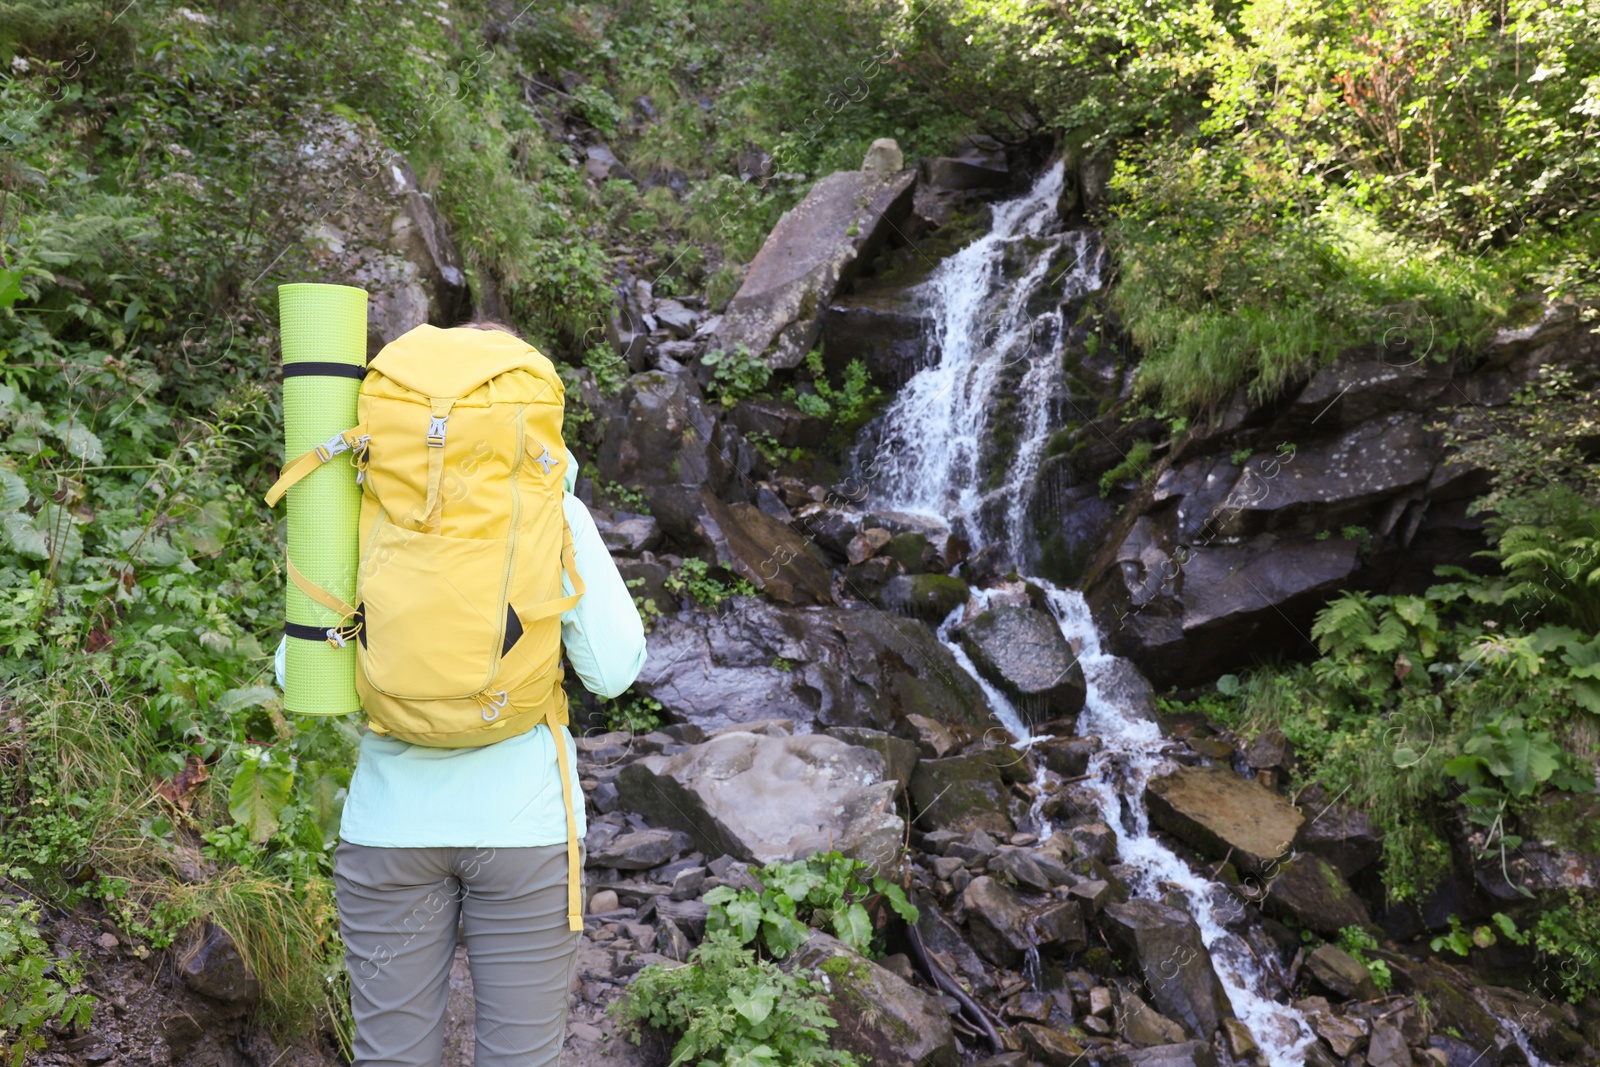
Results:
929 597
908 548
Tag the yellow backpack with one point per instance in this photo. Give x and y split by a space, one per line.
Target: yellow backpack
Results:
463 542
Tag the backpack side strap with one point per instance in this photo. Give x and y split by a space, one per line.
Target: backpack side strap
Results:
555 718
569 564
319 594
352 440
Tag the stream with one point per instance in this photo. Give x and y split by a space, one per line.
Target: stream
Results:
937 439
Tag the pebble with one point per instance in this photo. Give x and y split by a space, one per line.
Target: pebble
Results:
604 900
107 941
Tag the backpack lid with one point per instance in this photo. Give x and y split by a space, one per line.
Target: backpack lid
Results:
452 363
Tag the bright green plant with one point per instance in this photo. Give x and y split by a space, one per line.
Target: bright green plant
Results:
848 404
1462 941
730 1009
635 713
823 889
1134 465
693 576
1358 943
35 987
736 375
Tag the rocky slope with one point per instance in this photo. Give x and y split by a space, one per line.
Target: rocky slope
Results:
828 712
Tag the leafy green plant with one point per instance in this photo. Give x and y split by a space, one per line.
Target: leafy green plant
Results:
848 404
730 1009
736 374
1134 466
635 713
825 888
1359 943
693 576
1462 941
35 987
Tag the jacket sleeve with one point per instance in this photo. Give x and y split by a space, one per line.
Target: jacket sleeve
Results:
603 634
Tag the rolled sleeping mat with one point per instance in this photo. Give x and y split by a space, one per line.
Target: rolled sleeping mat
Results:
324 333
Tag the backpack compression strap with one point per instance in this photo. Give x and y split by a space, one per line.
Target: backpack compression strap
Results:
352 440
569 564
555 719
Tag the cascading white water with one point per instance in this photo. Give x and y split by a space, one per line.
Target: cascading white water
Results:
932 452
935 440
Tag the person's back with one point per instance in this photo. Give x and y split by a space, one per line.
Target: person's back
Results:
430 837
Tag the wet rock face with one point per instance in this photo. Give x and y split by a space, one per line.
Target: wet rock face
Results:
817 245
1021 651
766 799
961 793
1164 945
662 436
1222 559
822 666
882 1018
1310 892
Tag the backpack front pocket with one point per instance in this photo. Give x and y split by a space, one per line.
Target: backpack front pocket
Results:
434 610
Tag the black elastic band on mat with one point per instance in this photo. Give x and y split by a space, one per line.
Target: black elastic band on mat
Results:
330 370
304 632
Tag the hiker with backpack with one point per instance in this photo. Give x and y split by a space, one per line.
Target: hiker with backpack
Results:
477 566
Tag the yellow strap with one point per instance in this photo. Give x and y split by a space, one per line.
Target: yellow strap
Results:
319 594
439 409
556 717
569 563
307 462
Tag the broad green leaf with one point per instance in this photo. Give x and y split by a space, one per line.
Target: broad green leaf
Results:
744 916
259 792
10 287
80 442
783 934
756 1004
22 536
13 491
249 697
897 899
853 926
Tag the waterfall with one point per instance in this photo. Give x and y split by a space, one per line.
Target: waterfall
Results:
996 312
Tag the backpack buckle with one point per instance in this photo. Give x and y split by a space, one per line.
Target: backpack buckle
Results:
436 430
333 446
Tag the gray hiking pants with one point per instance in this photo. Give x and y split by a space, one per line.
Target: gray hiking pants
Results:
398 913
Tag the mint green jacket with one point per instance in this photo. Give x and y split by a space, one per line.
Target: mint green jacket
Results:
508 794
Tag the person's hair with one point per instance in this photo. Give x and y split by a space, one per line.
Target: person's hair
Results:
489 324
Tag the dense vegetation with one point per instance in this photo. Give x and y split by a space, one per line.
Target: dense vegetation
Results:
1283 180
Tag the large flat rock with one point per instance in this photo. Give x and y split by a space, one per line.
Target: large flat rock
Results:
1220 814
815 246
765 798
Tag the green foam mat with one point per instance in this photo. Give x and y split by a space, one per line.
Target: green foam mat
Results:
326 323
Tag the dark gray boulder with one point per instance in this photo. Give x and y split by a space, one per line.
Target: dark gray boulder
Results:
1023 653
1165 948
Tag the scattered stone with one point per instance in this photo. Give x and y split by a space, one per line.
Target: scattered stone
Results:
1343 836
215 968
1310 892
686 884
1023 653
998 921
1095 894
1241 1043
1095 841
1346 1035
884 157
671 941
1050 1047
934 739
1387 1046
1187 1054
945 867
689 915
639 850
603 901
975 847
899 755
867 544
1100 1000
1029 1005
1034 870
1060 923
107 941
1067 756
1141 1024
